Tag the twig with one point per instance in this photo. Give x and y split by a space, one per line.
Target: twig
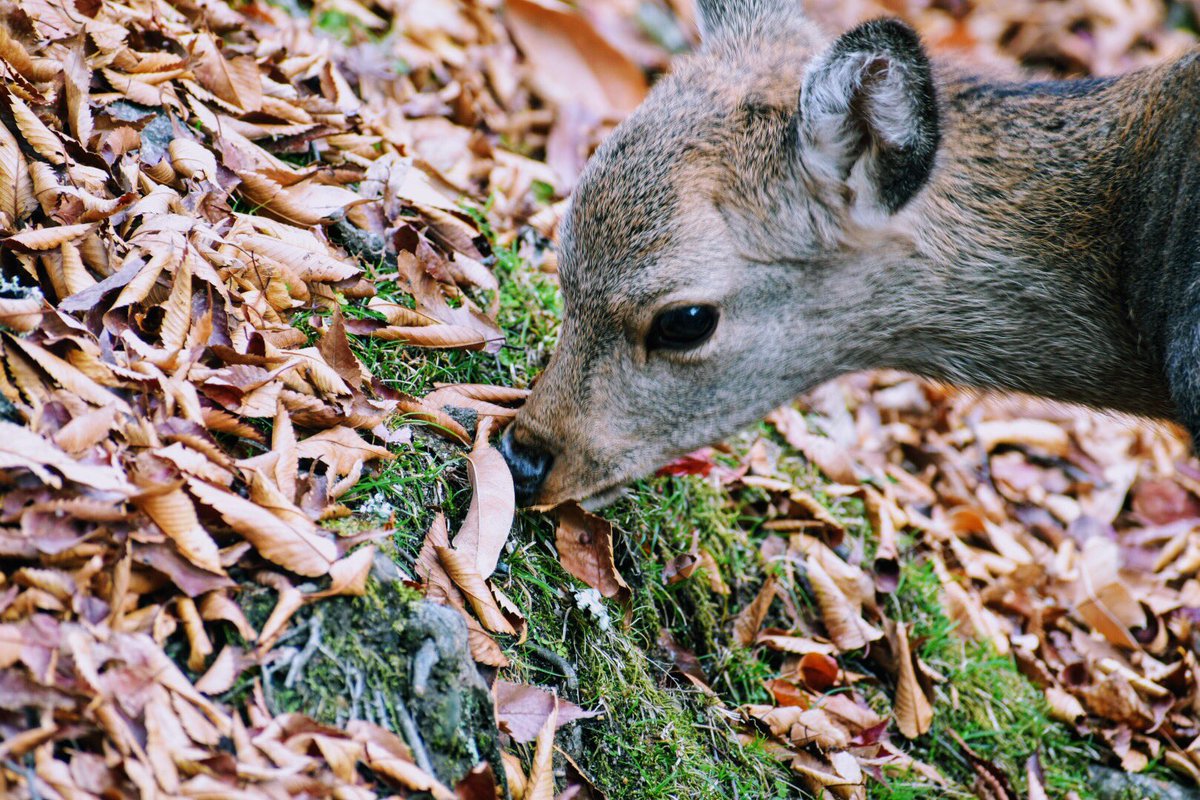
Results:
301 659
413 737
554 659
282 657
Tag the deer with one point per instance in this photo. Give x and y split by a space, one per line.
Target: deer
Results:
787 207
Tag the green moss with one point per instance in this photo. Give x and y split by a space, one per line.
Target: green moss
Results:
995 710
659 737
356 658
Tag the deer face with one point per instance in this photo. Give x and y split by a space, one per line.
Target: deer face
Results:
719 243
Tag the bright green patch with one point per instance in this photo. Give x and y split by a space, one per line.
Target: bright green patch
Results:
659 738
995 710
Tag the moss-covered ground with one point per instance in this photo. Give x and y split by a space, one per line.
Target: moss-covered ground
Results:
661 737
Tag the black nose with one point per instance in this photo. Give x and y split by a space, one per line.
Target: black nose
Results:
528 465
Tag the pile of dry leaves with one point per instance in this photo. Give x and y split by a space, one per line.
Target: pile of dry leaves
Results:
189 192
180 183
1070 541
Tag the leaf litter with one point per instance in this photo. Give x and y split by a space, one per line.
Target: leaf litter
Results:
182 185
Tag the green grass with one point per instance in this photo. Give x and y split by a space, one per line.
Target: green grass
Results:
406 491
529 315
996 711
660 738
660 519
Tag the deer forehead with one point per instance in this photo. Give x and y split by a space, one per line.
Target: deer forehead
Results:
717 133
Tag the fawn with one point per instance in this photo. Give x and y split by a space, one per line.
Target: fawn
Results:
782 210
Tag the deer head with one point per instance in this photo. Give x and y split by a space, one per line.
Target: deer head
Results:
721 243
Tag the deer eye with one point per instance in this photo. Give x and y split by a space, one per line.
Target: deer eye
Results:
682 327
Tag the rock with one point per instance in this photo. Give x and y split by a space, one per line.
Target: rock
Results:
1114 784
397 660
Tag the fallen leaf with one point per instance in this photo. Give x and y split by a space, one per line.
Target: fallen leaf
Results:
541 774
299 549
750 620
522 710
493 504
585 548
820 671
573 62
843 620
913 711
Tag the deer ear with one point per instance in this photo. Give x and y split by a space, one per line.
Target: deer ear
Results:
869 115
739 17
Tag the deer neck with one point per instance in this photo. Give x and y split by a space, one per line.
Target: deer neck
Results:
1016 273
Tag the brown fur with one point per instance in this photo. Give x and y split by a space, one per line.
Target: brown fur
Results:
1019 264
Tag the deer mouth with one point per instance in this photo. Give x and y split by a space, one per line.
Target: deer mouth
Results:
604 498
593 499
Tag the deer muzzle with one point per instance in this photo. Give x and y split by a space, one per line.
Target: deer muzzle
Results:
529 466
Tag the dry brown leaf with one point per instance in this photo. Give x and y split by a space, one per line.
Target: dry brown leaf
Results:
800 645
573 63
340 448
461 569
912 709
819 671
348 576
199 643
309 264
585 548
299 549
223 672
835 529
68 376
541 774
175 514
749 621
826 779
398 766
522 710
21 314
493 504
17 200
882 513
37 135
843 621
20 447
290 601
217 605
235 81
77 83
1102 599
514 775
434 336
38 239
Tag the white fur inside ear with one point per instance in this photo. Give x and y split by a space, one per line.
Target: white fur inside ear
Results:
840 94
866 211
827 134
890 108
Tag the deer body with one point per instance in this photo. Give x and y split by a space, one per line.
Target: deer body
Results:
783 210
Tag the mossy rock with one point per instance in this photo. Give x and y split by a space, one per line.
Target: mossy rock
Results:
393 659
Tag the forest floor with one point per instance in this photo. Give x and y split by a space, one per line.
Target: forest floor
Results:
272 275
